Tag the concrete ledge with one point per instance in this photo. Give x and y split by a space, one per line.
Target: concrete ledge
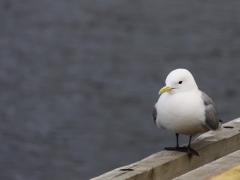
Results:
223 168
170 164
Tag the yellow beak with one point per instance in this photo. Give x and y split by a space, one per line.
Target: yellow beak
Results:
164 89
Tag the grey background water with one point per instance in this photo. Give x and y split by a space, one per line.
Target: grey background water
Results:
78 79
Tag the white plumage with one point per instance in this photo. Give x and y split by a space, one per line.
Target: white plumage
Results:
183 108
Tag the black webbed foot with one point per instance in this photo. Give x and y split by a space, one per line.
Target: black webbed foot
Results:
191 151
185 149
188 150
171 148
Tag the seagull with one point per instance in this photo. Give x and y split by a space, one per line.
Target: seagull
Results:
184 109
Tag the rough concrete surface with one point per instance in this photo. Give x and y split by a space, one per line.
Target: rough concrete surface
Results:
208 171
168 165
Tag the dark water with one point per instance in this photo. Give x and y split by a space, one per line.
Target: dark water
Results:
78 79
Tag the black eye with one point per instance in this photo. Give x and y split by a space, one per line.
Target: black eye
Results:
180 82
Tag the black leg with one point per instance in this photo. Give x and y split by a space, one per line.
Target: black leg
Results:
177 140
187 149
191 151
173 148
189 145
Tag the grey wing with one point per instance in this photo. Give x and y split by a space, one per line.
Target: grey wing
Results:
211 113
154 113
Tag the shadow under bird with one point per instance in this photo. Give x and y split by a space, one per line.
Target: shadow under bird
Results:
184 109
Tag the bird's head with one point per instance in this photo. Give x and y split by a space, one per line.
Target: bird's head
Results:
179 80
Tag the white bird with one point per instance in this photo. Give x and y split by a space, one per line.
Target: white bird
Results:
184 109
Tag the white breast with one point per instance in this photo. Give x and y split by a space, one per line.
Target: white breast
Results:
181 113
